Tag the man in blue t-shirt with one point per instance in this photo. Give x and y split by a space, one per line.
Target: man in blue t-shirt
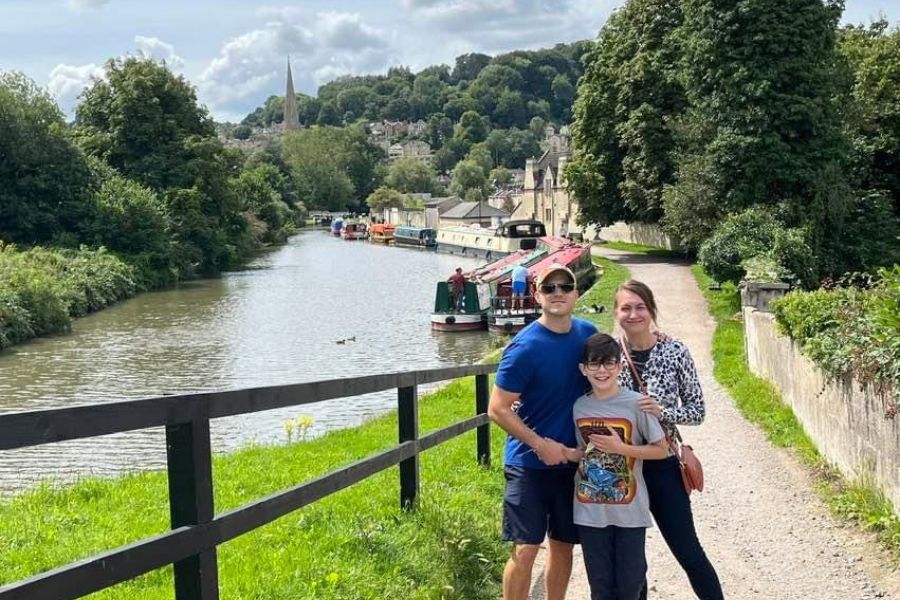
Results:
536 387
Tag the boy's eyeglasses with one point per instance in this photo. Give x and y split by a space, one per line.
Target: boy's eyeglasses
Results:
594 365
550 288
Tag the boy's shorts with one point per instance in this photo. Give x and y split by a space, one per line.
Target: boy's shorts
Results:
518 288
538 503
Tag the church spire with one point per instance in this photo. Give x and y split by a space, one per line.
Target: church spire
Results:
291 119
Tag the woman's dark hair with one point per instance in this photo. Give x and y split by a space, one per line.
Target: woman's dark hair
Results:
639 289
600 347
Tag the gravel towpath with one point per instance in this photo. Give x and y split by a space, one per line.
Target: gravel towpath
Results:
759 519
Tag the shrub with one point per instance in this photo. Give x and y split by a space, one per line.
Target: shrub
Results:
850 331
757 233
42 289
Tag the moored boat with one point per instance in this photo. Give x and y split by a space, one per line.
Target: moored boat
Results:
490 242
354 231
421 237
382 233
336 227
471 318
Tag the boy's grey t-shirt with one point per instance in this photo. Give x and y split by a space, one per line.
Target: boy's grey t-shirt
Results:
609 488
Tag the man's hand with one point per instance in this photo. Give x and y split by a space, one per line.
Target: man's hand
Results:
574 454
552 452
611 444
648 404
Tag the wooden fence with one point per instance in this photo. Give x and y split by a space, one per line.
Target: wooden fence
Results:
196 530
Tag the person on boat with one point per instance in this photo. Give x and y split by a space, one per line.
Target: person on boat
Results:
457 283
537 383
675 398
519 286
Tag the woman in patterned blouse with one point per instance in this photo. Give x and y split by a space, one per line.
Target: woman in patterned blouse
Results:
675 397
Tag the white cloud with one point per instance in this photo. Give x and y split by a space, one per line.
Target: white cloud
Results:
321 47
87 4
495 25
156 49
68 81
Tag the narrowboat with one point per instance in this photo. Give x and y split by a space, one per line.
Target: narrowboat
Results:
354 231
491 242
471 318
421 237
382 233
478 291
504 318
336 227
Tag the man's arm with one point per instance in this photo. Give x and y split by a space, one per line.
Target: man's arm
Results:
550 452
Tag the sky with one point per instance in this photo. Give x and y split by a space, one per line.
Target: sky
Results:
234 51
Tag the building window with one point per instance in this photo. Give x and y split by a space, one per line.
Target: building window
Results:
548 215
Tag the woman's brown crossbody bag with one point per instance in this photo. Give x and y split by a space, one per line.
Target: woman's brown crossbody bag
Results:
691 469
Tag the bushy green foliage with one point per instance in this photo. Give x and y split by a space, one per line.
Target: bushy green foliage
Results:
754 234
44 179
622 133
146 123
257 189
850 331
410 175
42 289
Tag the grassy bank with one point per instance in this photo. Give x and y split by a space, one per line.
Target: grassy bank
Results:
354 544
761 403
601 294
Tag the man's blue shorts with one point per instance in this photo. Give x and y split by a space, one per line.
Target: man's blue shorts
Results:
519 288
538 503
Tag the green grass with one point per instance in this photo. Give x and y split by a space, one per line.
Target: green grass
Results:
354 544
761 403
642 249
602 294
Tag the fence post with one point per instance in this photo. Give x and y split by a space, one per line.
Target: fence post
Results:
408 418
483 433
189 458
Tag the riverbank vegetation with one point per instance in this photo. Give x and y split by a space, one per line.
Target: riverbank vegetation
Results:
760 402
745 132
354 544
137 194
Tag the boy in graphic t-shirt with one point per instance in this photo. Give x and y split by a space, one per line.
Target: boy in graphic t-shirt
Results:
611 508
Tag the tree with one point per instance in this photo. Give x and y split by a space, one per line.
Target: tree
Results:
563 96
469 178
468 66
472 128
510 110
257 190
44 178
481 155
327 163
410 175
384 197
440 129
760 82
622 138
145 122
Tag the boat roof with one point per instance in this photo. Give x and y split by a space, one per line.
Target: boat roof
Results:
566 257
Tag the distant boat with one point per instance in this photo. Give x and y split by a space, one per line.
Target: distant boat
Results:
491 242
382 233
354 231
336 227
422 237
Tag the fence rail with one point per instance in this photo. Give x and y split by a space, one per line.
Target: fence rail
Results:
196 531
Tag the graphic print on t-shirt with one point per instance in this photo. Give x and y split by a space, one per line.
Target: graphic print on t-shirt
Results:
605 478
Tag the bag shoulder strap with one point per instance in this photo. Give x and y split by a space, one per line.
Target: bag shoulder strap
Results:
634 372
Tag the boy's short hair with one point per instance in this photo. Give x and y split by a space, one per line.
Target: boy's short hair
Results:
600 347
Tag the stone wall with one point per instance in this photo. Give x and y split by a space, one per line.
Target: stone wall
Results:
846 424
637 233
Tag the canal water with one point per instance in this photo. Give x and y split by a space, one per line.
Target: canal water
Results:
278 321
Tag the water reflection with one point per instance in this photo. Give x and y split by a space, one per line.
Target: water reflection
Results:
278 321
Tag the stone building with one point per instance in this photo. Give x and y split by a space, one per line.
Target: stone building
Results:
544 194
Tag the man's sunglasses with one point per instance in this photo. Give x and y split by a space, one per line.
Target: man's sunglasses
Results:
550 288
